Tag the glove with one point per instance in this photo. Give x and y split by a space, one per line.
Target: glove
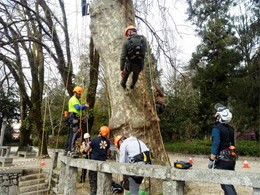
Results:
122 73
211 164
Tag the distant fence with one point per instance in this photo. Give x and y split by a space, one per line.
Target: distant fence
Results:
173 179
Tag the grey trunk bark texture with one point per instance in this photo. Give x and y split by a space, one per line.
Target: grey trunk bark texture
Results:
130 114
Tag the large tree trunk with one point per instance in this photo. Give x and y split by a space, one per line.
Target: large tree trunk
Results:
131 114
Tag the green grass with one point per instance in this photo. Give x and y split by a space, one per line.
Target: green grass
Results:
203 147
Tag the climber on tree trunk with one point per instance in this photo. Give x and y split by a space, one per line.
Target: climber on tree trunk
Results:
132 56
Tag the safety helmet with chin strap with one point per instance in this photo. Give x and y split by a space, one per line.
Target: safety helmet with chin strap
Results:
104 131
223 115
78 90
86 135
130 27
117 139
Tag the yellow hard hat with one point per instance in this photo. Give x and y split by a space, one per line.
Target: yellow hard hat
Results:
78 90
130 27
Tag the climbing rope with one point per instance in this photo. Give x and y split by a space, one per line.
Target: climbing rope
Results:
153 92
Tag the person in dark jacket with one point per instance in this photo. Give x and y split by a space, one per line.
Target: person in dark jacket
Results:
160 99
99 148
132 60
222 154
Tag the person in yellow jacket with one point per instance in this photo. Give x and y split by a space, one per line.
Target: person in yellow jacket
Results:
75 109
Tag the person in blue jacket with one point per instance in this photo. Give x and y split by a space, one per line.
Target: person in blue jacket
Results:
223 155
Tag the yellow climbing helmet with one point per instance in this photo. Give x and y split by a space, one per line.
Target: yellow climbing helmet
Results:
78 90
130 27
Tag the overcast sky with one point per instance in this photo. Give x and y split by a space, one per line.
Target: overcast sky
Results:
171 25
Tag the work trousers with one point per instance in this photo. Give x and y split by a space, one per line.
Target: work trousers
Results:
73 132
227 165
159 108
133 186
136 69
93 182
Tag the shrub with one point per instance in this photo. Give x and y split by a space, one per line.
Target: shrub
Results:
203 147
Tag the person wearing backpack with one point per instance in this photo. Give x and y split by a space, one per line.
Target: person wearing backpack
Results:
132 56
132 150
223 155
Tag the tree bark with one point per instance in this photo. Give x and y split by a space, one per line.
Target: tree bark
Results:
93 79
130 115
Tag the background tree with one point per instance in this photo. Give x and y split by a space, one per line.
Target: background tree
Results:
216 57
245 91
28 33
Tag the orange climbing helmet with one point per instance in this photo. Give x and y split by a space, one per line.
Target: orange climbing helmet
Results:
117 139
78 90
130 27
104 131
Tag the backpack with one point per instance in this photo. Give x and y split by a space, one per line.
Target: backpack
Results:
136 48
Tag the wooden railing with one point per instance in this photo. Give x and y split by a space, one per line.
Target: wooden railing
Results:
173 179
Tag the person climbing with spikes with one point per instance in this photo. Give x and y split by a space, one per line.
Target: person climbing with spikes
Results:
160 99
223 154
75 109
132 56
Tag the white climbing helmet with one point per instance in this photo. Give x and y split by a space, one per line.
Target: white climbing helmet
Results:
223 114
86 135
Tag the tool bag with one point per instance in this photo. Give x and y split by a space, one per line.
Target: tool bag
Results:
228 154
182 165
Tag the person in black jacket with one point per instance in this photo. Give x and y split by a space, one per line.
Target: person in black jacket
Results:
223 154
132 56
99 147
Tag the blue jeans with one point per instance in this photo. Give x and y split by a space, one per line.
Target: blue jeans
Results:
227 165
